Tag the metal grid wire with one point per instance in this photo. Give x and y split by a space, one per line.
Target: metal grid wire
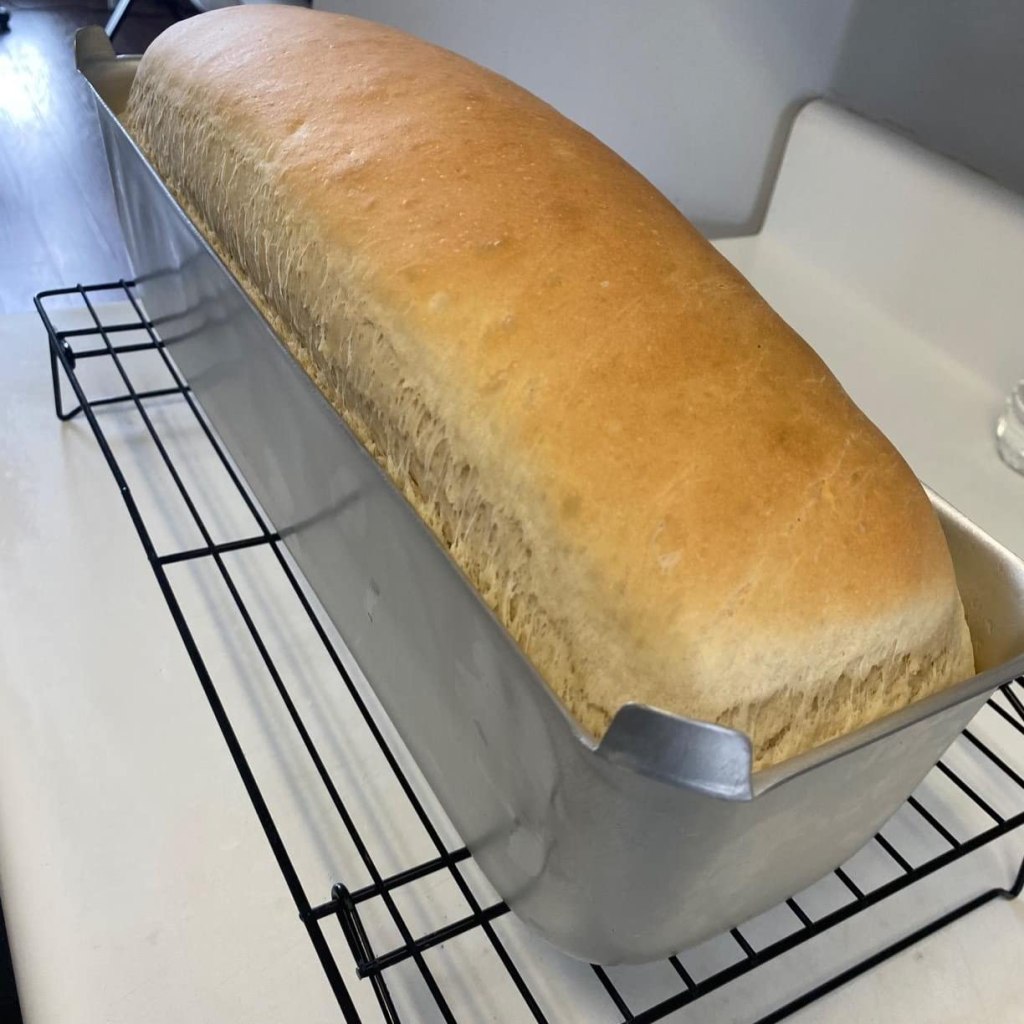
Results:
358 910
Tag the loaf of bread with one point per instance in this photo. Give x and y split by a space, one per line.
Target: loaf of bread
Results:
657 486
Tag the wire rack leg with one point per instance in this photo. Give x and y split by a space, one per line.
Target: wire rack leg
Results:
69 359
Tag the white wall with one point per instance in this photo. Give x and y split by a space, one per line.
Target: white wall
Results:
698 94
951 74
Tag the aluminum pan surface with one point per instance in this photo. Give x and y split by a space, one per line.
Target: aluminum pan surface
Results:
663 805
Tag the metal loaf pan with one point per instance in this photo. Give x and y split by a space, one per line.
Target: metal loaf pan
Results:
622 851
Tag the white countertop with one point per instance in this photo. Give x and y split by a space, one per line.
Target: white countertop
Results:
135 879
136 883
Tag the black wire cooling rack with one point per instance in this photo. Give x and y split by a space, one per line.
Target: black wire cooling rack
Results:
116 331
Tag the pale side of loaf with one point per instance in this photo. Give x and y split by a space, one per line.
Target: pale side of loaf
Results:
654 482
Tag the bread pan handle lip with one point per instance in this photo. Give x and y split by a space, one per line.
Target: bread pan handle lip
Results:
109 74
701 756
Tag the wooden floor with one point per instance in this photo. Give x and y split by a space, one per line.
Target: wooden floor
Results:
58 225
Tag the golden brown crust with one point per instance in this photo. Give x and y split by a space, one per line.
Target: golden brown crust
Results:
660 488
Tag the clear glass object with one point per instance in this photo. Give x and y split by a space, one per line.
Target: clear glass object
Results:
1010 429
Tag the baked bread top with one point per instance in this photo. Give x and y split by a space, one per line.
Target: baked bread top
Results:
660 489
